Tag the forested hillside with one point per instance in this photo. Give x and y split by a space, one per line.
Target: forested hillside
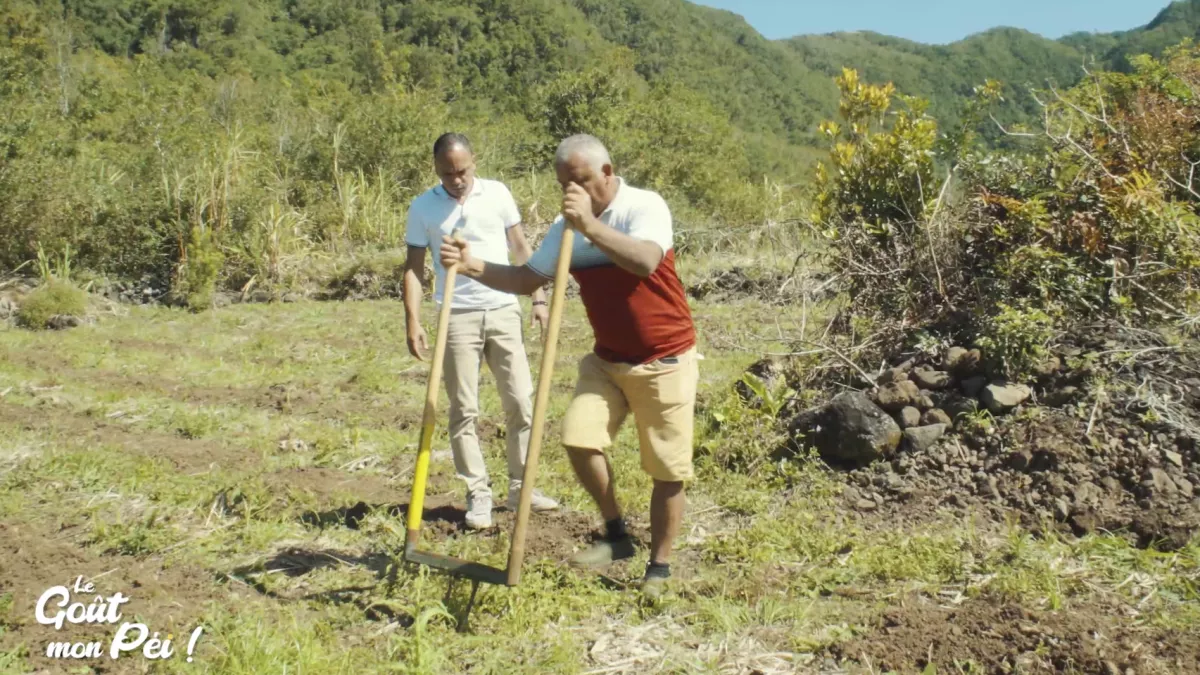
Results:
135 126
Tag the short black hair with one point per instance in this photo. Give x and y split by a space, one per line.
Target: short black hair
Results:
450 140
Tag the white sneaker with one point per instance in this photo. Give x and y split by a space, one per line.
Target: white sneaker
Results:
479 511
539 504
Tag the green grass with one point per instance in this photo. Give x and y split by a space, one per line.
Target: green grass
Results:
172 439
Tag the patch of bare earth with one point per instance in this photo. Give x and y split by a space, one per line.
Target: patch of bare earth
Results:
169 599
1003 638
291 399
185 454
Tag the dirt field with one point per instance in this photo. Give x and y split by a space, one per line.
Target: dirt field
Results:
247 470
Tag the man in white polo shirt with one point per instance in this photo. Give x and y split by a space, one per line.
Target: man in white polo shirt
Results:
484 323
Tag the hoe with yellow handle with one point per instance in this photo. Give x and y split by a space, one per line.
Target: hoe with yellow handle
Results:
510 576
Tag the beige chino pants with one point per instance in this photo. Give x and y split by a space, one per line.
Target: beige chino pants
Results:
495 335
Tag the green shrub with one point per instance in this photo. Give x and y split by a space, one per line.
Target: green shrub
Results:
740 436
51 299
1015 340
196 282
1094 218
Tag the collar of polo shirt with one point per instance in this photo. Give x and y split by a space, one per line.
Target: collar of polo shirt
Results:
476 189
616 200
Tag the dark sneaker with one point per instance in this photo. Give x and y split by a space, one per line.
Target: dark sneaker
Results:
653 587
604 552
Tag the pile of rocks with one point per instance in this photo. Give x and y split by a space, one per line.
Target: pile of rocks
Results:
939 433
144 291
912 405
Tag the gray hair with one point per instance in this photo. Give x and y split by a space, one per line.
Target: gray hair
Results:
589 147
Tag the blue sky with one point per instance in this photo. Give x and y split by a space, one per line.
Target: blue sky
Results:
940 21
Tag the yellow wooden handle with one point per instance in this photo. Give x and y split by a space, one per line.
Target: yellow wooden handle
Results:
416 505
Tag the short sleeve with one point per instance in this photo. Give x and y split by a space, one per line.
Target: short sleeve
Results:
509 210
415 233
651 221
544 260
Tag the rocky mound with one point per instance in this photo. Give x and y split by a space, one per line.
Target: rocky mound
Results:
1104 437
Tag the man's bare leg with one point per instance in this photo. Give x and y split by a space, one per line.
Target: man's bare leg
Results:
595 473
667 504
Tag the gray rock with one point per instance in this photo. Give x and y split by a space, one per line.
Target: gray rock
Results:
926 403
1062 510
973 385
63 321
898 396
1085 494
1174 458
865 505
921 439
1061 397
962 362
1160 483
1001 398
1185 487
936 416
890 376
953 357
850 429
909 417
931 379
1048 367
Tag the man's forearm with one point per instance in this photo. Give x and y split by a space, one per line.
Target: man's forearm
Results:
521 253
507 278
632 255
412 298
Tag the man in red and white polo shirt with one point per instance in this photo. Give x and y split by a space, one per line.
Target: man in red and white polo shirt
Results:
644 360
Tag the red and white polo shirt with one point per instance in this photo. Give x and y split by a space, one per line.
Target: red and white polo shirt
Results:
634 320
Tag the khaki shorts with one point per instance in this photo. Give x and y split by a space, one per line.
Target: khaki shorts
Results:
662 398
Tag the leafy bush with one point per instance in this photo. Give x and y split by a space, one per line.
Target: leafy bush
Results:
1093 218
1015 340
871 202
1098 218
196 282
53 298
742 437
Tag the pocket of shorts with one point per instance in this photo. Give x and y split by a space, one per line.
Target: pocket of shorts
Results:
672 384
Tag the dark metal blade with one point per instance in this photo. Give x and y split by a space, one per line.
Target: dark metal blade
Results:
459 567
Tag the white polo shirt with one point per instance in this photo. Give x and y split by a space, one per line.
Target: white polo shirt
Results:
641 214
485 217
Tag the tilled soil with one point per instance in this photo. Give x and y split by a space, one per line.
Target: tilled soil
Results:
1002 638
1049 472
168 599
1106 437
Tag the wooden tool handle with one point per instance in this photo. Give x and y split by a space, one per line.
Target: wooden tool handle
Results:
429 418
516 554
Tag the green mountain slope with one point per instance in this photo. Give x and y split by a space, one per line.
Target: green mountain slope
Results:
946 74
492 54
